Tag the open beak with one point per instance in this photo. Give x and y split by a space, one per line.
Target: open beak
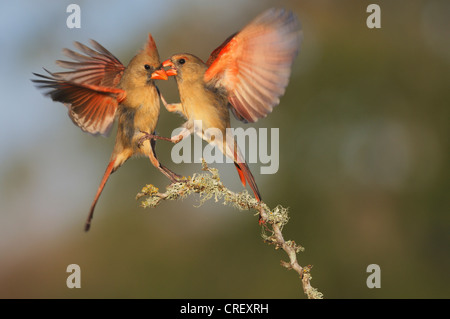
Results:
159 75
172 71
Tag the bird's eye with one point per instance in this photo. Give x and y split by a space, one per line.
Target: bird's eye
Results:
147 67
181 61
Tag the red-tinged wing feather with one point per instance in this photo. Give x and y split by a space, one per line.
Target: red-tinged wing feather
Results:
99 67
254 65
91 107
216 52
90 90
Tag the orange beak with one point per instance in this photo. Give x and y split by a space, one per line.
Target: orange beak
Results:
172 71
159 75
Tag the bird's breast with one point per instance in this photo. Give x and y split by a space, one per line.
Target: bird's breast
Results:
201 104
138 113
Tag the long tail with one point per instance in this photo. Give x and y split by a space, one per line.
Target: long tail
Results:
246 175
109 170
231 149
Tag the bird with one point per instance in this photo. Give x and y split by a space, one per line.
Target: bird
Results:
99 89
247 74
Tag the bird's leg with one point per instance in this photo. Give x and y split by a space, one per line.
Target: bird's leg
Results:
154 160
172 107
148 136
175 139
183 134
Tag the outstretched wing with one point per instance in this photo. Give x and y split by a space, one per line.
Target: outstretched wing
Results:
91 107
90 90
99 67
254 65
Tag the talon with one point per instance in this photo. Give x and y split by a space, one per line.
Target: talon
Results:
173 107
178 179
182 179
177 139
145 137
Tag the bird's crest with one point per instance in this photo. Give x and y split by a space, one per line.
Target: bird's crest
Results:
150 46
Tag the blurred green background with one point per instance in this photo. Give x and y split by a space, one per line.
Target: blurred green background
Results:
364 160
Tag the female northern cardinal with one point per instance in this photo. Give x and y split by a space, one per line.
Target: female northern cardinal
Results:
98 88
247 73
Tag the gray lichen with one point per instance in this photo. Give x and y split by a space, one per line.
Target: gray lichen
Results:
209 186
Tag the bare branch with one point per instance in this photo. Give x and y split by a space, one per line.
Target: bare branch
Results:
208 186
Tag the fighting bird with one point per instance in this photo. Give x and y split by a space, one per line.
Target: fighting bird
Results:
247 74
99 89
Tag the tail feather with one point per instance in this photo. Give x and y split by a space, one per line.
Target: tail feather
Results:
112 166
231 149
241 174
246 175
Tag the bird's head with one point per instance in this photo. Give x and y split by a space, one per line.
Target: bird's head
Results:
140 69
184 67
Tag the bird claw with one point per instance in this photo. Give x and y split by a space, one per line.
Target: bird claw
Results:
171 107
146 136
176 139
174 107
179 179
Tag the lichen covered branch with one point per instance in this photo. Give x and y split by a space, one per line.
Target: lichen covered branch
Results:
208 186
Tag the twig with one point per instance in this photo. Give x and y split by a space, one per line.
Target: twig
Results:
208 185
